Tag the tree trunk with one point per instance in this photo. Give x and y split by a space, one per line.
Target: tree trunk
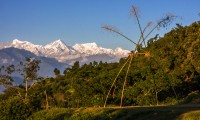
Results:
156 91
113 95
156 97
26 90
47 103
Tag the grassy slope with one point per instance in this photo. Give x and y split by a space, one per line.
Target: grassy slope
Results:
127 113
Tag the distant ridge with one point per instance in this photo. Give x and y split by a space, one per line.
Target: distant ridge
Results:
14 56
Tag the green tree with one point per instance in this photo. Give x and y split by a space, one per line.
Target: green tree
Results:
14 109
5 75
29 71
76 65
56 72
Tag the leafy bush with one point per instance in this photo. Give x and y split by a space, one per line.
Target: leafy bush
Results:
192 98
170 101
14 109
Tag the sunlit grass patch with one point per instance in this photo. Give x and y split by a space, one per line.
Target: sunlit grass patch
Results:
193 115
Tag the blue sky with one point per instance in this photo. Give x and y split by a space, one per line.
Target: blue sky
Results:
80 21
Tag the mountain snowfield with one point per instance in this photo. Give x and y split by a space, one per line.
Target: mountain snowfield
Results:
85 53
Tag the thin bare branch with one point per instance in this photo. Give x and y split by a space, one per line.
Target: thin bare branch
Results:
143 41
163 22
135 12
166 20
112 29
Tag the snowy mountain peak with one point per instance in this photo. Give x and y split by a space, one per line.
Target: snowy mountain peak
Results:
23 44
57 45
16 41
120 50
87 48
59 41
90 44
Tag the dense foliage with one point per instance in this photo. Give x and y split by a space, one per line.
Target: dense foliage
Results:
170 73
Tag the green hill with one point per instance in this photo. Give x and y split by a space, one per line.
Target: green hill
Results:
169 76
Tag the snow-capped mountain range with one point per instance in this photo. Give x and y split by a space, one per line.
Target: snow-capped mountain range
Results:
85 53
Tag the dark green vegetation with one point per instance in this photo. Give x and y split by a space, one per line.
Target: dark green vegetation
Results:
171 75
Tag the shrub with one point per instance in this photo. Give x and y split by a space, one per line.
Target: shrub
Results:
14 109
170 101
192 98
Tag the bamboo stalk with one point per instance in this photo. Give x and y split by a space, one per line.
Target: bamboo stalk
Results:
26 95
125 81
115 81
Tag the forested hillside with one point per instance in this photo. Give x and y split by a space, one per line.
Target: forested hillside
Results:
166 77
